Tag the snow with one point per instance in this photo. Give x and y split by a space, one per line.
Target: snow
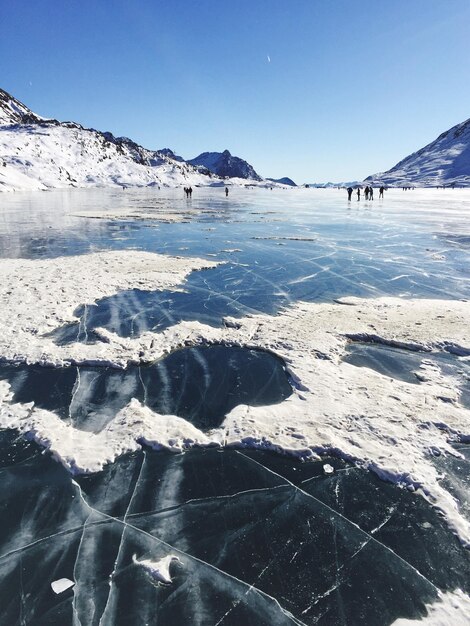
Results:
61 585
49 156
42 295
158 570
46 156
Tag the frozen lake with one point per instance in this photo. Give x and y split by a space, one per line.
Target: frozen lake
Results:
165 404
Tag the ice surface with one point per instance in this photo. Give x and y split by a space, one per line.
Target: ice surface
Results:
308 282
262 538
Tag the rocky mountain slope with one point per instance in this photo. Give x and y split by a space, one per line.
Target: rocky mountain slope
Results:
443 162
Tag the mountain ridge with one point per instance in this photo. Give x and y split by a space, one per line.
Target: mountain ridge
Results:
38 153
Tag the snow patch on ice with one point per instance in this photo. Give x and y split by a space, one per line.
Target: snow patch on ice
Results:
158 570
452 609
38 296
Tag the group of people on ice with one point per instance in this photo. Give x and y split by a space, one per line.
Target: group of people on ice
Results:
189 191
368 193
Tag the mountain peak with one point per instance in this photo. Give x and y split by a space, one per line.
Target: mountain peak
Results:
12 111
225 165
168 152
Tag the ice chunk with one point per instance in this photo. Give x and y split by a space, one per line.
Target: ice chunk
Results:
61 585
328 469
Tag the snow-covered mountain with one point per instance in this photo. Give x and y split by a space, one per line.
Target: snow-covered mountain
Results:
41 153
330 185
445 161
283 181
224 164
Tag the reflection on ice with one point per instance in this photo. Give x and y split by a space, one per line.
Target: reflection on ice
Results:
261 539
200 384
330 249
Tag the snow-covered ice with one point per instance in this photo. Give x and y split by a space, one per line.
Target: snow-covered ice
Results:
340 279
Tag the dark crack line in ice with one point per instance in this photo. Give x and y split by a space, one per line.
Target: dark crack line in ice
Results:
133 516
37 542
305 493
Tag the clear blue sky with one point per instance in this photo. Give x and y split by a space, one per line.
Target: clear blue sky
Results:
351 87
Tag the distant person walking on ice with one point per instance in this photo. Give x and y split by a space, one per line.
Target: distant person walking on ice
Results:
371 193
226 191
358 193
350 190
366 193
381 192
